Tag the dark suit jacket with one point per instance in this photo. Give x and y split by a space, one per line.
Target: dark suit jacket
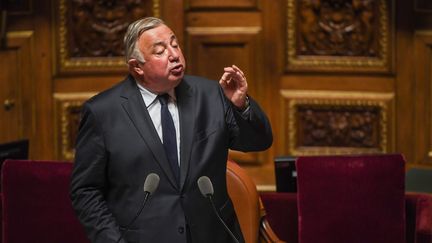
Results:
118 146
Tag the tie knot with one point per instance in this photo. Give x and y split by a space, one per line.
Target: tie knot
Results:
163 98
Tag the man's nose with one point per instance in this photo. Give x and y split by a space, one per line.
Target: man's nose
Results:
174 54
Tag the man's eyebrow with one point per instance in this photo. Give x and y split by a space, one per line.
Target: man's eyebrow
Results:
159 43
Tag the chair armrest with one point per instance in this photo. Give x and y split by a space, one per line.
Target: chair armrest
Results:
267 235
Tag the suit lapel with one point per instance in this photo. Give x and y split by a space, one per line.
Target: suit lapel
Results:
186 108
137 112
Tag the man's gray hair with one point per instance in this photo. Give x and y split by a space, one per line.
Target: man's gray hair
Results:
133 33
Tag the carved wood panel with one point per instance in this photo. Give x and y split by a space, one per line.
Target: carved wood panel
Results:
210 49
67 118
325 122
338 35
90 33
338 126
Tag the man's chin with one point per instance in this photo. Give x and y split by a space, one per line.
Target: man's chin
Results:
175 80
176 77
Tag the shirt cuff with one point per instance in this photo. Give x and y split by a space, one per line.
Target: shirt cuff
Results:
245 112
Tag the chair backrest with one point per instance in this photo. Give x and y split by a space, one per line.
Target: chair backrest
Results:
352 199
244 195
36 205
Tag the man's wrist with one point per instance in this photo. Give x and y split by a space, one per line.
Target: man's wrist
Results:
245 106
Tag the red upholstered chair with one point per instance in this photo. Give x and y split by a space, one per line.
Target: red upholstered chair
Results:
337 196
353 199
36 205
282 215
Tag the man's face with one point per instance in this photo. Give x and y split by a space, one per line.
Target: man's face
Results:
164 64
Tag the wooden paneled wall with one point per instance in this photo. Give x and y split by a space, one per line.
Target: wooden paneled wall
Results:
335 77
26 96
220 34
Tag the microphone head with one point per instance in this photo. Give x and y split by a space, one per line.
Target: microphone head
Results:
205 186
151 183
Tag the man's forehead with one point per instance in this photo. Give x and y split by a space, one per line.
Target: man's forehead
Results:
158 34
159 31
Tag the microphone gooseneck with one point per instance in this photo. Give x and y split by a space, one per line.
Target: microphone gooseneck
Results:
150 184
206 188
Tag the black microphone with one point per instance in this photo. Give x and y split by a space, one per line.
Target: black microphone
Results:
206 188
150 184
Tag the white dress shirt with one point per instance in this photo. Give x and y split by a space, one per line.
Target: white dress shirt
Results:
154 109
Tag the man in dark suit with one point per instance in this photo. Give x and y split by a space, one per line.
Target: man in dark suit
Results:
123 137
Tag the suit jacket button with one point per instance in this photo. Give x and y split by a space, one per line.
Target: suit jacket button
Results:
181 229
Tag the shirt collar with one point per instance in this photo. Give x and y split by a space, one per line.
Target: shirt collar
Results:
150 97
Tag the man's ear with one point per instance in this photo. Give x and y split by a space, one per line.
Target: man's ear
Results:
134 66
